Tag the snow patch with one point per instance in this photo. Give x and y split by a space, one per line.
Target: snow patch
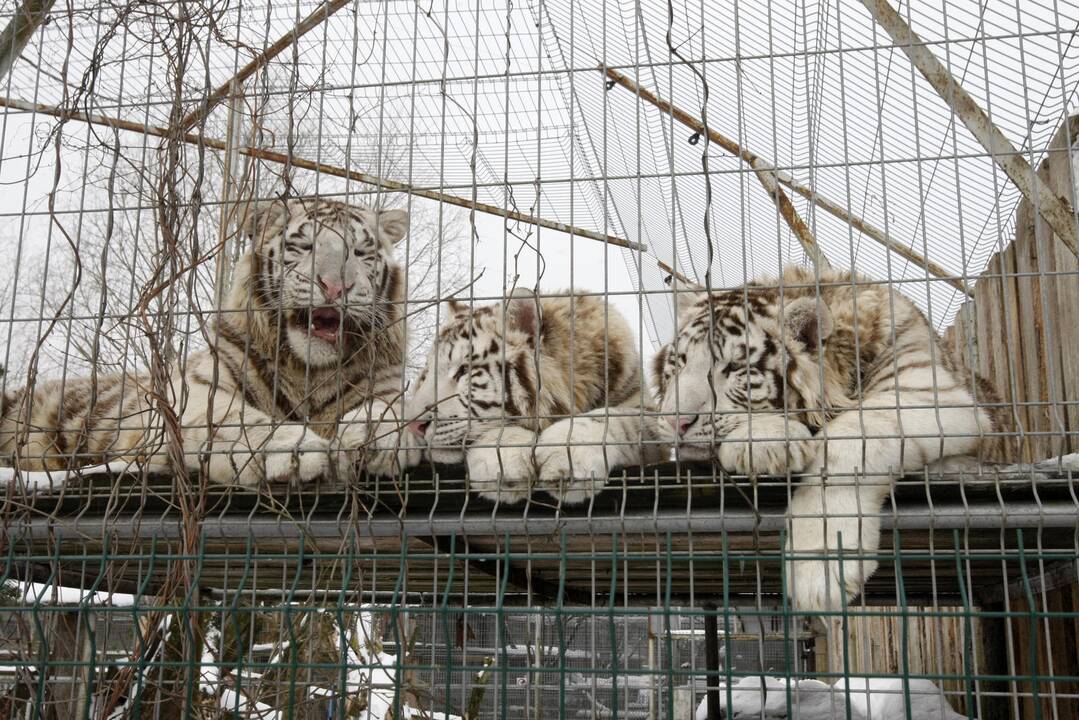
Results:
880 698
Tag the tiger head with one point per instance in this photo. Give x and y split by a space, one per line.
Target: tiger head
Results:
481 373
320 272
740 353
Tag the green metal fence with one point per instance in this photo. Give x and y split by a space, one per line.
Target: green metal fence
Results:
342 603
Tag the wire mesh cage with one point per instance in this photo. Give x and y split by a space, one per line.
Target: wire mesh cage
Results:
553 360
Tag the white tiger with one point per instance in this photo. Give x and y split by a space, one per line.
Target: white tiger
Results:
312 327
535 392
843 378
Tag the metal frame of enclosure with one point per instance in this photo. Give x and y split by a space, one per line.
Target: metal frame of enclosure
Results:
631 150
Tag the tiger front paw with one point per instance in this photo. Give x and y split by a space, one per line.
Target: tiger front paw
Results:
295 453
382 448
502 474
772 445
389 450
571 460
817 578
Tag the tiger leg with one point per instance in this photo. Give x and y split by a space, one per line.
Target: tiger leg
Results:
575 455
500 463
838 504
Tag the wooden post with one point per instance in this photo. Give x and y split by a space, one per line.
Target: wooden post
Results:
68 685
230 193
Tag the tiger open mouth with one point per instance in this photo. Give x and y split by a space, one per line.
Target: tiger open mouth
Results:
324 323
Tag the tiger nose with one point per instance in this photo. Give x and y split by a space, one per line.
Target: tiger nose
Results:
418 428
331 289
681 423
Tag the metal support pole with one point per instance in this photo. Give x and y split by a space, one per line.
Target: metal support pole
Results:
362 177
711 660
763 166
28 17
230 193
1056 210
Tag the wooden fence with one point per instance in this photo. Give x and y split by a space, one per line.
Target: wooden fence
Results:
1020 331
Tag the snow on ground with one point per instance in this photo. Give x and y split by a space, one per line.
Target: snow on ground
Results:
880 698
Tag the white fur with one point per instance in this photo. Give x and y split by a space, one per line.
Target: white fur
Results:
574 459
863 450
500 464
378 436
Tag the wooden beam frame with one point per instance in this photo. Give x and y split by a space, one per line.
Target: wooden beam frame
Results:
765 168
223 91
765 172
1056 210
356 175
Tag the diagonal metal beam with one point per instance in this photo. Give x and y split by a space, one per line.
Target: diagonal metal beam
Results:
765 172
316 18
319 167
28 16
1056 210
784 178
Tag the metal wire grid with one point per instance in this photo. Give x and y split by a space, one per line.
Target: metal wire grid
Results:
505 104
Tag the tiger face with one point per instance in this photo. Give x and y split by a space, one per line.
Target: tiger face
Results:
480 374
327 269
738 361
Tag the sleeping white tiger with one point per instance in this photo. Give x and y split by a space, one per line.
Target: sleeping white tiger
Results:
312 328
849 381
535 393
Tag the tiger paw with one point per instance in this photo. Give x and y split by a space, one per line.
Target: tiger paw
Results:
772 446
389 451
295 453
383 448
502 474
571 459
816 577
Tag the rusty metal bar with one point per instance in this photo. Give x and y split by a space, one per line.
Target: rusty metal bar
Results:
281 158
1056 210
765 172
872 231
27 18
316 18
675 274
784 178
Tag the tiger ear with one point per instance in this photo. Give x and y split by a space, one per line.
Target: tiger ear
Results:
392 225
659 362
809 321
256 218
523 313
455 307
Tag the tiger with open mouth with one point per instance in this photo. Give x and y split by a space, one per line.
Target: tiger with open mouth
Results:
312 331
